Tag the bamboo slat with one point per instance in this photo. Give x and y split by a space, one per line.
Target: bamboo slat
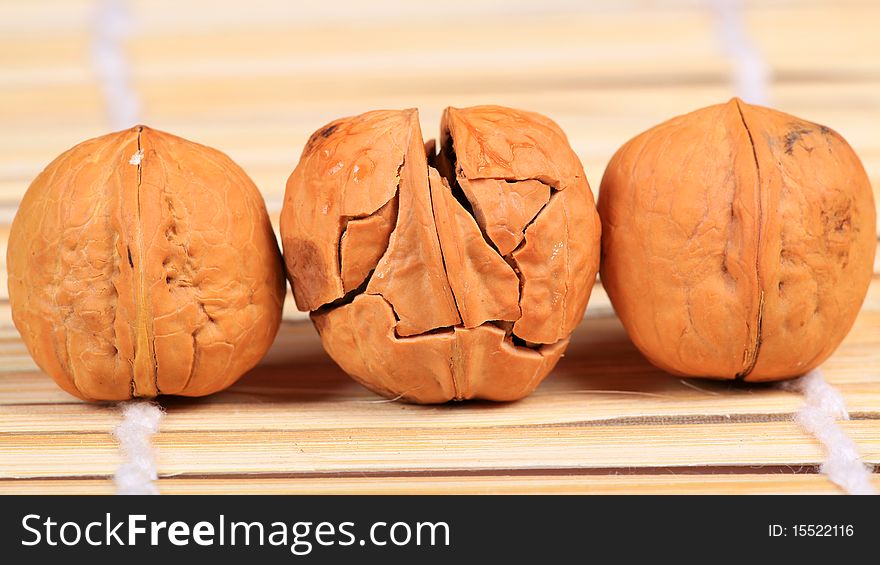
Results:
665 483
355 450
256 79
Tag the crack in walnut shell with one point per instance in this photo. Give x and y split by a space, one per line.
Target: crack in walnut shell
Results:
442 276
737 242
142 264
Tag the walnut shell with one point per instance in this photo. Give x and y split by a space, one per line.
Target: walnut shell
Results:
738 242
436 277
142 264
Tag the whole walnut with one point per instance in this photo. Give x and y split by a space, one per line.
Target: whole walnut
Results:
142 264
738 242
436 277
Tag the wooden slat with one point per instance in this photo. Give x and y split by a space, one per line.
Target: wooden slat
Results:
357 450
818 38
240 409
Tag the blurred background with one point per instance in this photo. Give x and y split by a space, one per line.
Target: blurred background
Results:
256 78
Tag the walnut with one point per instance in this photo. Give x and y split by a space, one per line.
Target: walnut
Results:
141 264
738 242
436 277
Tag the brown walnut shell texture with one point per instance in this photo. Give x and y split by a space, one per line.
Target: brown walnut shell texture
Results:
142 264
738 242
442 276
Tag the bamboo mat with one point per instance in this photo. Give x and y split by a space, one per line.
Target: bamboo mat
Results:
255 79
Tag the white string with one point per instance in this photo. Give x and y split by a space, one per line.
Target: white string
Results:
750 71
140 420
823 406
111 26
